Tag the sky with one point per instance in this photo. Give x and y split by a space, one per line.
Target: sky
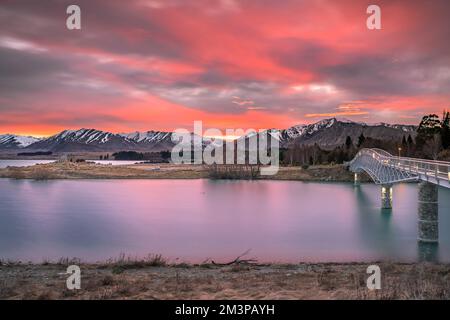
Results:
162 64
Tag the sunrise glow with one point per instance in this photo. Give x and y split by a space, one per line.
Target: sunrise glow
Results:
231 64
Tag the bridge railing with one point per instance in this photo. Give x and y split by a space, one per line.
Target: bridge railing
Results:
440 170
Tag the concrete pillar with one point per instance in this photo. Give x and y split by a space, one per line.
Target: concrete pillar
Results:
428 212
357 179
386 196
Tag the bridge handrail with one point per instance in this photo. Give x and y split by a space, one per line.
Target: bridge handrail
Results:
439 162
420 168
380 151
384 154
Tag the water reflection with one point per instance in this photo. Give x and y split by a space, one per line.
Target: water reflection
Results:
374 223
197 219
428 251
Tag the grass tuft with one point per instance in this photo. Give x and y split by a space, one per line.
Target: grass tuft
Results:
124 263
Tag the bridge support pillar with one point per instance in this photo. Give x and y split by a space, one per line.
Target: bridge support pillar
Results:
386 196
357 179
428 212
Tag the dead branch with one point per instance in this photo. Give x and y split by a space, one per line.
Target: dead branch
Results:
238 260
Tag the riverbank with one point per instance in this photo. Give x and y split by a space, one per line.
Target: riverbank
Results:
71 170
157 280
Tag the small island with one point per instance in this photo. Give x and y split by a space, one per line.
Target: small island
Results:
91 170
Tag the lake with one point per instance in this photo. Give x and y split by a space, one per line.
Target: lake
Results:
22 163
192 220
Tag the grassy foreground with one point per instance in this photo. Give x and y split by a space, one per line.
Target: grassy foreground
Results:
153 278
70 170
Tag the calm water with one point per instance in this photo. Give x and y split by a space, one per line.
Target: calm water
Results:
22 163
198 219
25 163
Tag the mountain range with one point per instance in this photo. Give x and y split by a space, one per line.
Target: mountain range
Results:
327 133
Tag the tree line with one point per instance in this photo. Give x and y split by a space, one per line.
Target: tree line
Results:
162 156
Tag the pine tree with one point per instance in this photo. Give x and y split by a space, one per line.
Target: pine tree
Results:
445 130
348 142
429 125
410 140
410 146
361 140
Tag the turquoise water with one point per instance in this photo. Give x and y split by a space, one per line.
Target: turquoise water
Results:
192 220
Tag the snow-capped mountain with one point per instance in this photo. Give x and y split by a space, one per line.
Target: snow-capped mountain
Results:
330 133
151 140
327 133
333 132
147 136
403 127
305 129
84 140
87 136
12 141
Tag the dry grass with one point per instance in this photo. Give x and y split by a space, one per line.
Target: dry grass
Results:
245 172
70 170
153 278
326 173
125 263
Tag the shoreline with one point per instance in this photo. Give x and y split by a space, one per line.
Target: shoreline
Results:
129 279
88 170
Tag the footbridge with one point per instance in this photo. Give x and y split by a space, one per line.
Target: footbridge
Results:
386 170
